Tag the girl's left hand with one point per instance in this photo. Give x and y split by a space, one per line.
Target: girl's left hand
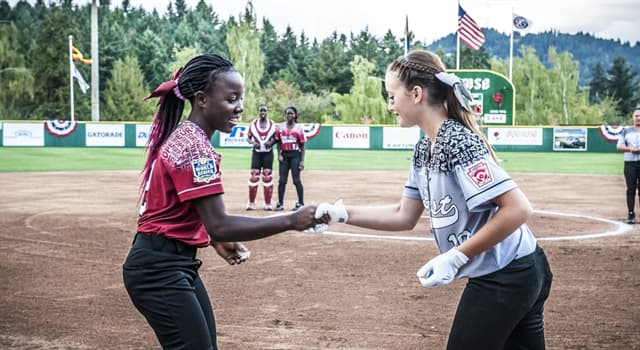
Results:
232 252
301 165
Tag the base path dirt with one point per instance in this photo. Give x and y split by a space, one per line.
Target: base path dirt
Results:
64 237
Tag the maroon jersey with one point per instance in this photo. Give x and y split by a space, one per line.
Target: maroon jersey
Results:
262 135
187 167
290 139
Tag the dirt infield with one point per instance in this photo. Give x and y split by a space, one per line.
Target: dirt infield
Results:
64 236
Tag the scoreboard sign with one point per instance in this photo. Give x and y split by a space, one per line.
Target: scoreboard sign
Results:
493 93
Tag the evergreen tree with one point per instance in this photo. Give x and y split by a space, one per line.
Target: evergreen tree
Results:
16 80
330 68
598 84
622 86
125 92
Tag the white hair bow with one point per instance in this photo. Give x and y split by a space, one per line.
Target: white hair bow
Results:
458 88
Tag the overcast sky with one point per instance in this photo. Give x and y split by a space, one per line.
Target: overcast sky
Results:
430 20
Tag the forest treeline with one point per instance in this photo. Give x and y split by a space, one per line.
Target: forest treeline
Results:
559 78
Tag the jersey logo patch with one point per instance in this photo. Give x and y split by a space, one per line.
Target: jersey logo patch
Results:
204 170
480 174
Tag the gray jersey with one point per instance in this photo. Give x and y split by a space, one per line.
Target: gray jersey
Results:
631 138
457 185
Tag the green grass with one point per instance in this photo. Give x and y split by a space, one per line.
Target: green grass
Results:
23 159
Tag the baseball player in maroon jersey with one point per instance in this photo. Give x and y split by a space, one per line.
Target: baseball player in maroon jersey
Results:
290 139
182 206
262 136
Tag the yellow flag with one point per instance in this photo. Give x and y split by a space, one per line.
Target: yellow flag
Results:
77 56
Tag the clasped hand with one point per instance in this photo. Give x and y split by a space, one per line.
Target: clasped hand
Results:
337 213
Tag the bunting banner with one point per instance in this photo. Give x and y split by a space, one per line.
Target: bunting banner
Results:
77 56
611 133
311 130
60 128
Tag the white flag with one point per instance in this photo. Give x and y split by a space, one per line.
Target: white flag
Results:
83 83
521 24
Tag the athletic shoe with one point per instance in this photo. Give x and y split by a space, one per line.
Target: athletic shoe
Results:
298 206
631 219
251 206
279 207
268 207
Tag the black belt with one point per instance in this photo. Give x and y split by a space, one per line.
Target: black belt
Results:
163 244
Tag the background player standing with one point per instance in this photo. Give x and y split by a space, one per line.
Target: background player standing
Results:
629 143
477 212
291 139
262 136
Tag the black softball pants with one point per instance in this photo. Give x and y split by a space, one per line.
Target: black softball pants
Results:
504 309
290 161
632 177
161 277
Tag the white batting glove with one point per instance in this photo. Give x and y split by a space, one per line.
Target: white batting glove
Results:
442 269
319 228
336 211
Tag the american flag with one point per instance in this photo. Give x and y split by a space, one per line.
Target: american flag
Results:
468 30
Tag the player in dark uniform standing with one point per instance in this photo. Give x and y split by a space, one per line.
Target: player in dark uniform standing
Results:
182 207
262 136
290 139
477 212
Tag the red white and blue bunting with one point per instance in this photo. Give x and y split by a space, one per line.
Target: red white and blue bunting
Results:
611 133
60 128
311 130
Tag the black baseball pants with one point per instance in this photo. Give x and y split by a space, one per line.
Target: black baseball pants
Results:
161 277
504 309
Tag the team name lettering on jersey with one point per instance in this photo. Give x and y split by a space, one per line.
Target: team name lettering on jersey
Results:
204 170
480 174
443 213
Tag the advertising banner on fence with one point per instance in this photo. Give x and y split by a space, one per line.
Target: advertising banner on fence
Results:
493 93
142 134
236 138
395 137
23 134
569 139
515 136
109 135
351 137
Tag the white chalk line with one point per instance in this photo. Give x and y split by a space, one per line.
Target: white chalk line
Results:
620 229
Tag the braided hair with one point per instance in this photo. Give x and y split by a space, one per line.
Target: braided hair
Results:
199 74
419 68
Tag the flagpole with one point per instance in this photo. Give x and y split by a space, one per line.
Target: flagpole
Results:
458 39
71 75
511 46
406 34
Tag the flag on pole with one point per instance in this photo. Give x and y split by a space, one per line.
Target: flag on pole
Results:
81 82
521 24
469 31
77 56
407 43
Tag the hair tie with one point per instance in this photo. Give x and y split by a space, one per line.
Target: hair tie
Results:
458 88
176 90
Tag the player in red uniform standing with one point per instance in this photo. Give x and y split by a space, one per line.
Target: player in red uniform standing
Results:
262 136
291 139
182 206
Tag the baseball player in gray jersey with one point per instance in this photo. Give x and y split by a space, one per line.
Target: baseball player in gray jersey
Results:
629 143
477 212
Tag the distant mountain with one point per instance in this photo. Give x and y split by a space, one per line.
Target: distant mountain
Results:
585 48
